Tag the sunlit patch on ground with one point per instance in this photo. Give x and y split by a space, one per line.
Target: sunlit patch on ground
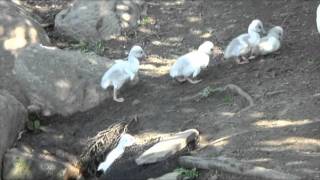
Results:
281 123
156 66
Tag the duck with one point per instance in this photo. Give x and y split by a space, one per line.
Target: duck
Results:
242 45
270 43
318 18
191 63
126 140
122 71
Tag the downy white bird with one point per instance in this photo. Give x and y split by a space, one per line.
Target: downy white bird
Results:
191 63
318 18
122 71
126 140
242 46
270 43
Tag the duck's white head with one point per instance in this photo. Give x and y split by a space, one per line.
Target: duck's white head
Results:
206 47
126 140
256 26
137 52
277 32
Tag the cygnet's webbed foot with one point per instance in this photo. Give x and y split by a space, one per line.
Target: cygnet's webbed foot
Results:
252 57
118 99
180 79
115 98
193 81
242 60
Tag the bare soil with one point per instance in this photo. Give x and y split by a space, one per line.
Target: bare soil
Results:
282 130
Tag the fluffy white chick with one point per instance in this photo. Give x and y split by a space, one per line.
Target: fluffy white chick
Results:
242 45
191 63
122 71
126 140
270 43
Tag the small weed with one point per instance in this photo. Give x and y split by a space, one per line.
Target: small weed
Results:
34 123
146 20
99 48
227 99
206 92
190 173
85 47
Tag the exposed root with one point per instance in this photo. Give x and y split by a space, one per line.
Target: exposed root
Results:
232 87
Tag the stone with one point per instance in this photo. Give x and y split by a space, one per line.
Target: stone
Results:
168 147
93 21
59 81
13 116
20 164
17 30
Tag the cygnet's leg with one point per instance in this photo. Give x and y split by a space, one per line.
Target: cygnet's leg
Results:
115 98
193 81
252 54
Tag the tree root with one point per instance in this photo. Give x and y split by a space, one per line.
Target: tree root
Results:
232 87
234 166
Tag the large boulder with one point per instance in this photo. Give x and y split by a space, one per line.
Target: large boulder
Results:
59 81
93 21
17 30
21 164
13 116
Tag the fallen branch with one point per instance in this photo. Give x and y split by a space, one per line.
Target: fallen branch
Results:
242 93
234 166
274 93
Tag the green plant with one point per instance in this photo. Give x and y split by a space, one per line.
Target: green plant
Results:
190 173
146 20
227 99
33 124
206 92
85 47
99 48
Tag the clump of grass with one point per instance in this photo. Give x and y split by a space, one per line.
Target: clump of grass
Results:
33 124
146 20
227 99
189 173
85 47
206 92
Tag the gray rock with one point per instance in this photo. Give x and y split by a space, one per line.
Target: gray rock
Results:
17 30
24 165
13 116
168 147
59 81
92 21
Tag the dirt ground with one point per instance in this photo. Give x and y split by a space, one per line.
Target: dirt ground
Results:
281 131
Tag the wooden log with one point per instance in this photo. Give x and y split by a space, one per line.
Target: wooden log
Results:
234 166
